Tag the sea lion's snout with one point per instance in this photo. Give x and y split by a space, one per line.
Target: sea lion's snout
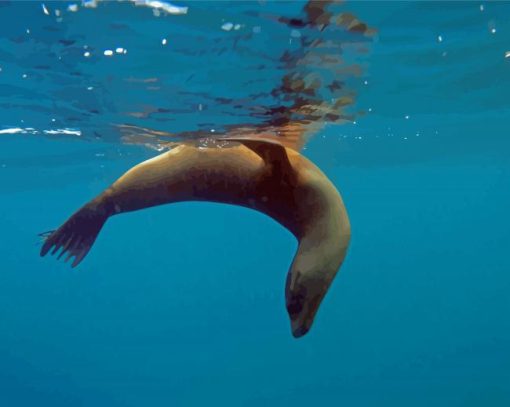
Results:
302 305
300 328
301 321
295 306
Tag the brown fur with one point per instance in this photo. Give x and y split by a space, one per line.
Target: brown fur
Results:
261 175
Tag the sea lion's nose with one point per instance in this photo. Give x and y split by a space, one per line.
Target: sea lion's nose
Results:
299 328
296 307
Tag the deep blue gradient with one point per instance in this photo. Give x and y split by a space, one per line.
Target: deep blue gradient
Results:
183 305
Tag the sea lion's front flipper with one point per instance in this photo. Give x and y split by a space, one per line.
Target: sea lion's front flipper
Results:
271 151
76 236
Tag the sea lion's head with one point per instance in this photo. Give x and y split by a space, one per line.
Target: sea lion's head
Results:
304 293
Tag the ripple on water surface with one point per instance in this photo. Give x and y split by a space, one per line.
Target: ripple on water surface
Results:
152 71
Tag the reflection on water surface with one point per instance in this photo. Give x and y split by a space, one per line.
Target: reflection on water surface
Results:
148 72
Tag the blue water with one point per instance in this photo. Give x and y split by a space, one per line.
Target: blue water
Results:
183 305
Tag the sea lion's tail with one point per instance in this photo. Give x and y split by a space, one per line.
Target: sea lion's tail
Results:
76 236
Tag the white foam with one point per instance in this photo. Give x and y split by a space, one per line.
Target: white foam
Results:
70 132
162 5
227 26
14 130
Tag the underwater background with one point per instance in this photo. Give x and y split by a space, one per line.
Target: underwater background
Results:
183 305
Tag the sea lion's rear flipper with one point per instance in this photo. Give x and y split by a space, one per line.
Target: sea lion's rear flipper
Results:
271 151
76 236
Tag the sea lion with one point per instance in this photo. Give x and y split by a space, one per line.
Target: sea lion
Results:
255 173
